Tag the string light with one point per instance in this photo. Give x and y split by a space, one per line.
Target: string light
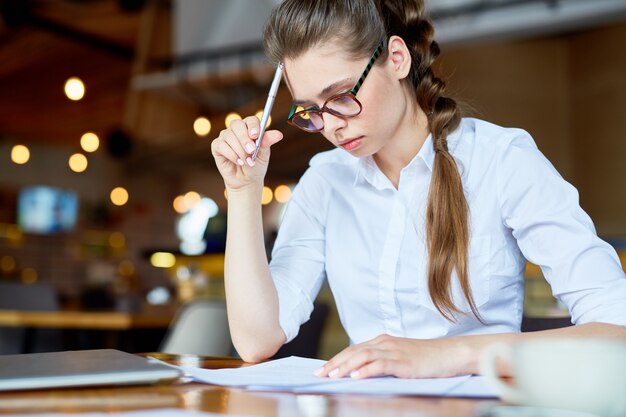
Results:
78 162
282 193
74 88
20 154
179 204
119 196
267 196
191 199
202 126
230 117
90 142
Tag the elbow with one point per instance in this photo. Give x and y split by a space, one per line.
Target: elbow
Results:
258 350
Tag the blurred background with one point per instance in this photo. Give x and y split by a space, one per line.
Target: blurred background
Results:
111 206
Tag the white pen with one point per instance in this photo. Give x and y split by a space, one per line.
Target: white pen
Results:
268 106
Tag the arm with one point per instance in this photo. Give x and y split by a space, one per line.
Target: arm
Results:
250 293
411 358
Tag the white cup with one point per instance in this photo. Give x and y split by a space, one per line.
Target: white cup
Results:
574 374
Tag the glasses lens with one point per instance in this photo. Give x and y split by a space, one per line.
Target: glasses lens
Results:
344 105
308 120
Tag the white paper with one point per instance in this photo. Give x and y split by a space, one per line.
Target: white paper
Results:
474 387
295 374
281 373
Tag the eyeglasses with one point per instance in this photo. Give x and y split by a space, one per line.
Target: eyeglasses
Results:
341 105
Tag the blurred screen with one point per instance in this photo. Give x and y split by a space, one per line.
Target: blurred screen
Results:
44 210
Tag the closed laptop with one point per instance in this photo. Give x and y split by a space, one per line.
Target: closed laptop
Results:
80 368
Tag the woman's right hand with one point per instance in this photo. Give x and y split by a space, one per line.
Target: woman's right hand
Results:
233 150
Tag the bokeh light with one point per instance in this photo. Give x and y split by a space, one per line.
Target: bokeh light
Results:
78 162
267 196
202 126
74 88
90 142
20 154
119 196
282 193
163 260
230 117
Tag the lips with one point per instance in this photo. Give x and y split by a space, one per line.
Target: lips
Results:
351 144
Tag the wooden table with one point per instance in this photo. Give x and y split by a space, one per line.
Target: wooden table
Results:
150 317
193 396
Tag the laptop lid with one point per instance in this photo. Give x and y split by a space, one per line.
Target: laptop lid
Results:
80 368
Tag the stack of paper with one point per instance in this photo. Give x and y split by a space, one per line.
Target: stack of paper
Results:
295 374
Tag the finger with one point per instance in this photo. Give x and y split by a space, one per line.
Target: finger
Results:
362 357
270 138
230 138
222 149
335 362
254 126
378 367
243 132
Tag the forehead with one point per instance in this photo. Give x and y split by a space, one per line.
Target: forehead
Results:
309 73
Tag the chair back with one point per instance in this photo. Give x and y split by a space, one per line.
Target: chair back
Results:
199 328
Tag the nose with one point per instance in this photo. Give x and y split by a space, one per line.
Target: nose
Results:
332 123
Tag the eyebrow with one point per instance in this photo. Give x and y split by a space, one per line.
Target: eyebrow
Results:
326 90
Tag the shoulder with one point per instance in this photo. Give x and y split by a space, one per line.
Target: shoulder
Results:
482 134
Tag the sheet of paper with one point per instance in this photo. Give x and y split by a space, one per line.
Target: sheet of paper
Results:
295 374
281 373
474 387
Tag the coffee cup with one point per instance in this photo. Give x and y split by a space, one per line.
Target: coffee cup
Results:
587 375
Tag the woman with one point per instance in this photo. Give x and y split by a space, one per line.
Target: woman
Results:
422 222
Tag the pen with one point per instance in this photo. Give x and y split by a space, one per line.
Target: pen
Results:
268 106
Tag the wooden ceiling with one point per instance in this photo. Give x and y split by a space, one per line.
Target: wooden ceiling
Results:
44 42
51 41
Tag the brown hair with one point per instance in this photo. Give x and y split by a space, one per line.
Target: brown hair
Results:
297 25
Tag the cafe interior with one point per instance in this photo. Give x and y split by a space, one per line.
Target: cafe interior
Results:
113 214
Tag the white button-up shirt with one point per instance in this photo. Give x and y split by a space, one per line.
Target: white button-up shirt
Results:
346 222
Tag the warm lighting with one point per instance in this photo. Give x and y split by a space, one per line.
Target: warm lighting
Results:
259 114
267 196
29 276
117 240
20 154
179 204
282 193
230 117
163 260
7 263
78 162
126 268
191 199
119 196
89 142
74 88
202 126
225 193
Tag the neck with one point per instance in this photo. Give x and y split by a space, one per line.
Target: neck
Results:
404 144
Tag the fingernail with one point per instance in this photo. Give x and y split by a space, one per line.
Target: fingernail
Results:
318 372
249 147
240 161
333 373
354 374
250 161
254 131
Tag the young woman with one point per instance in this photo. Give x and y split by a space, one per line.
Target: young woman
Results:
421 221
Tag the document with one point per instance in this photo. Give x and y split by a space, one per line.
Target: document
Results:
295 374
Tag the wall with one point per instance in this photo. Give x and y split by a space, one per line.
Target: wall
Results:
569 92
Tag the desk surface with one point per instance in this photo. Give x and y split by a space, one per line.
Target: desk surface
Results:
154 317
229 400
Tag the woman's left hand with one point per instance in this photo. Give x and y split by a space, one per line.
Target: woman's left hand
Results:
396 356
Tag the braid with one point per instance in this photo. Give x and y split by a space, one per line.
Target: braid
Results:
447 213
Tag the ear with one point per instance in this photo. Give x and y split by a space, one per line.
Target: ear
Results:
399 57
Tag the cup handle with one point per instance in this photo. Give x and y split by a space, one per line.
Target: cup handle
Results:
488 370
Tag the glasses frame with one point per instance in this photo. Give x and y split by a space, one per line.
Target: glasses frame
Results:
352 93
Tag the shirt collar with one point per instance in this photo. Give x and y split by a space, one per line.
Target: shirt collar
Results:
367 169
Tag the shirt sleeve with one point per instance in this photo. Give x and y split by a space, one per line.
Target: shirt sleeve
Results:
298 259
554 232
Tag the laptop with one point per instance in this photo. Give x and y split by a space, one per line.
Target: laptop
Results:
81 368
